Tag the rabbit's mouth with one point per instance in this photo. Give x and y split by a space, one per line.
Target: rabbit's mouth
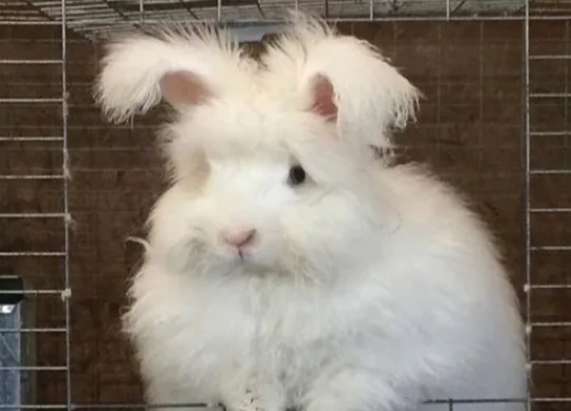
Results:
248 259
242 254
252 261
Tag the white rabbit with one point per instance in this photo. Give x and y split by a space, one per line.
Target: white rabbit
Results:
286 262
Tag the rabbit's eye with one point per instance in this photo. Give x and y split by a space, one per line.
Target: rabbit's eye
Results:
296 175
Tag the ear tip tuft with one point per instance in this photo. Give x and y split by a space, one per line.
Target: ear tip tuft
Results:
135 62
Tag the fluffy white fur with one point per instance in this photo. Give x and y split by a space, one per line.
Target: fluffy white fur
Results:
368 287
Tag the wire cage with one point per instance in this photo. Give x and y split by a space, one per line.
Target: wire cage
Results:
495 121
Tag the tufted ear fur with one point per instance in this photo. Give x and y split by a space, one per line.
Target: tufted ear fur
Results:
371 96
185 67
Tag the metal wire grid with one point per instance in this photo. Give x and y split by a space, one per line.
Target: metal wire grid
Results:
64 215
532 132
92 16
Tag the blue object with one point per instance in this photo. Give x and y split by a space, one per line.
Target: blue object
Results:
10 356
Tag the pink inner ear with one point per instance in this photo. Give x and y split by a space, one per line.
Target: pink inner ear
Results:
324 98
184 88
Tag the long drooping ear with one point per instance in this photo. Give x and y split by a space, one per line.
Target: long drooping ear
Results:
185 67
369 95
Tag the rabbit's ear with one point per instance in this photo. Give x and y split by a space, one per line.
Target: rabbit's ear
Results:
371 96
183 67
184 88
323 97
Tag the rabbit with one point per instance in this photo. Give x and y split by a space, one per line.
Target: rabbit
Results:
287 265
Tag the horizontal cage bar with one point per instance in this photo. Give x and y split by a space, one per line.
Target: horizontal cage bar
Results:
32 330
31 100
550 133
33 407
554 324
35 292
550 286
31 61
550 362
32 253
551 210
549 171
29 23
477 401
31 139
550 95
31 176
550 57
34 368
550 399
85 23
552 248
33 215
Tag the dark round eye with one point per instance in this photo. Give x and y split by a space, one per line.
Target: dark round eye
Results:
296 175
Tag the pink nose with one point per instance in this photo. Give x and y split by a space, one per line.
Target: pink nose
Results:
239 238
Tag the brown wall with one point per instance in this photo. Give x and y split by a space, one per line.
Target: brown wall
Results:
469 130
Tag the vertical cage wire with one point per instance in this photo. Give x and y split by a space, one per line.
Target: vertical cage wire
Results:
532 133
141 11
21 370
372 10
67 220
527 214
448 9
